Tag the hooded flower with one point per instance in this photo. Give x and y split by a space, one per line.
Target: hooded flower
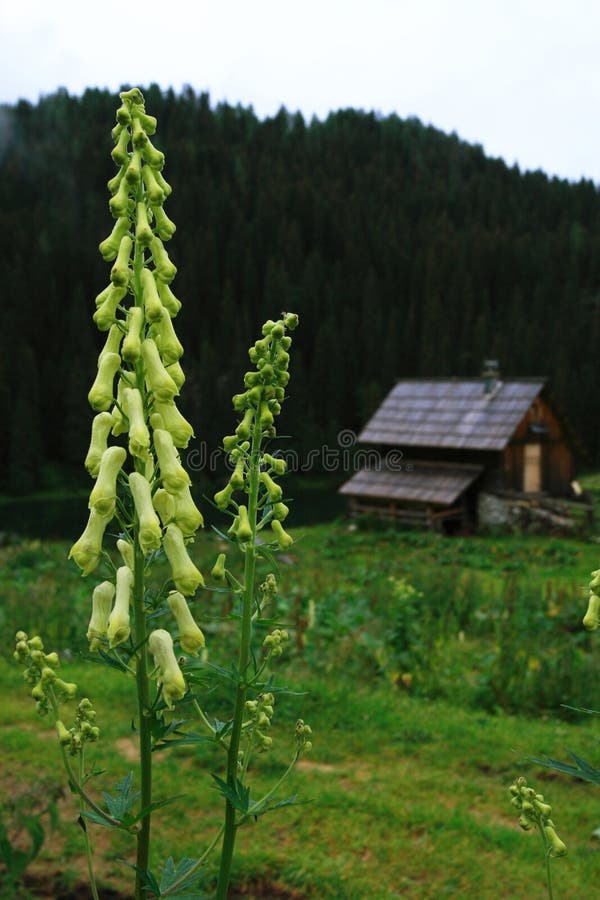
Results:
190 636
160 645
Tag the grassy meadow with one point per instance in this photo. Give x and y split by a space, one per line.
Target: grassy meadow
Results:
429 668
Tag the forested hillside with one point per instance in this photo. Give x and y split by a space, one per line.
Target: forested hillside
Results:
404 250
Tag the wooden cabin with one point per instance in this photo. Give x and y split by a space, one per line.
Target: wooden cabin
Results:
444 444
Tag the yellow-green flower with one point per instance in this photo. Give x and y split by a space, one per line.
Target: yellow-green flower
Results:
160 645
149 527
186 576
119 627
190 636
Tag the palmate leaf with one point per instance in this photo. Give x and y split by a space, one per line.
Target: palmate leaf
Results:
581 769
269 805
189 738
123 800
238 796
177 874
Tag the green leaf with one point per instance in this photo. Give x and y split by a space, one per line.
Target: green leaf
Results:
147 878
238 796
189 738
269 805
581 769
172 874
122 802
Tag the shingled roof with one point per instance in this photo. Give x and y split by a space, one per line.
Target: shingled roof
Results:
451 412
423 482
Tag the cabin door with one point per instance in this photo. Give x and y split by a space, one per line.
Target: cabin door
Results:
532 470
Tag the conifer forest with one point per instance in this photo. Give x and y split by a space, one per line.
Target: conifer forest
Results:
405 251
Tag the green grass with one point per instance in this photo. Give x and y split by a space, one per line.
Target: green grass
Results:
408 780
406 798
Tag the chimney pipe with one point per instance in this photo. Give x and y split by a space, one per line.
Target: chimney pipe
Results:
490 375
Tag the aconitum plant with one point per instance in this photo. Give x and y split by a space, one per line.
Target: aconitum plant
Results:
141 509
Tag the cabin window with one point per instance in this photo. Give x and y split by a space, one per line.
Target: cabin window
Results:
532 469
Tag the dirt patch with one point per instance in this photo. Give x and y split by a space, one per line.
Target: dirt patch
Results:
50 886
264 890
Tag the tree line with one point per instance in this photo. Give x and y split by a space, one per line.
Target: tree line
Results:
405 251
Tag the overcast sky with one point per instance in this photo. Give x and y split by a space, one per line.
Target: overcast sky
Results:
520 77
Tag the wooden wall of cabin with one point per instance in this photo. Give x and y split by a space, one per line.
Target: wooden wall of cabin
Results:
540 426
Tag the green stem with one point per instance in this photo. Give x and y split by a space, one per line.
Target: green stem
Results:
140 634
547 856
271 792
144 720
88 843
244 659
196 865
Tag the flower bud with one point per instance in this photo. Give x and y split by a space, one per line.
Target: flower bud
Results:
223 497
278 465
273 490
243 430
186 576
65 690
112 343
557 847
101 392
110 246
119 202
190 636
120 426
172 421
160 645
64 736
119 152
172 473
101 602
187 516
167 341
164 504
237 479
139 436
149 527
114 183
143 232
244 530
118 629
168 299
119 274
132 344
177 374
101 425
164 185
157 378
153 157
283 539
104 493
126 551
595 582
218 570
165 227
152 304
156 195
87 550
147 122
265 416
230 441
106 313
591 620
133 172
290 320
139 137
165 270
280 511
123 118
